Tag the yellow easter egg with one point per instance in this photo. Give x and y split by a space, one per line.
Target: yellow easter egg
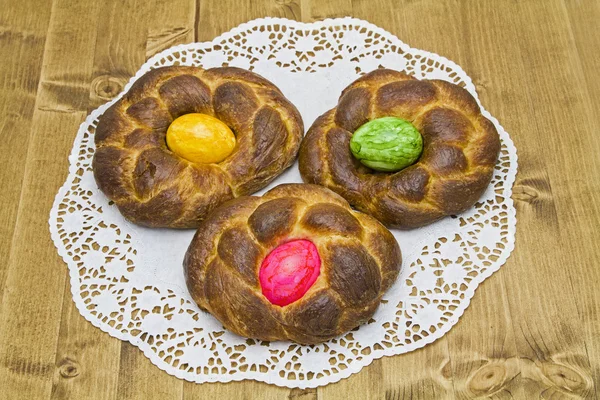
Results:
200 138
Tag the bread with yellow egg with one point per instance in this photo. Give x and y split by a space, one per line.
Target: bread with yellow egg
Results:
295 264
183 140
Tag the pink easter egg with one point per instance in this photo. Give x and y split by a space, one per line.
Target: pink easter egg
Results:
288 271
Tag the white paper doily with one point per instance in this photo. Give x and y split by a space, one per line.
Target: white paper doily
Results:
128 280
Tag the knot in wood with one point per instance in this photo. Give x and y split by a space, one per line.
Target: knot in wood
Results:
566 379
107 87
488 379
68 368
525 193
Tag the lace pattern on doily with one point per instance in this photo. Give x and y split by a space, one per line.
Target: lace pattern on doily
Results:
128 280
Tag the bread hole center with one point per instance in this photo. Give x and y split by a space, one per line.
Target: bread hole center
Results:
289 271
200 138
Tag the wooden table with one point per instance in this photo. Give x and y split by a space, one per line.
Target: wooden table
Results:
533 329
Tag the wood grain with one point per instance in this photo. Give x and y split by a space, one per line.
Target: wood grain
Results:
27 352
533 328
586 205
22 41
556 345
85 365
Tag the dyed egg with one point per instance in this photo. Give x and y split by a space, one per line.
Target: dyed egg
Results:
200 138
289 271
387 144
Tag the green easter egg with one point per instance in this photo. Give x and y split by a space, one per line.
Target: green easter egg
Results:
387 144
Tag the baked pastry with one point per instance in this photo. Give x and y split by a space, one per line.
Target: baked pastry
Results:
232 132
297 263
460 149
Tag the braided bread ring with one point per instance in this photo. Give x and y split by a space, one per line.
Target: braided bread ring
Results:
153 186
460 149
360 261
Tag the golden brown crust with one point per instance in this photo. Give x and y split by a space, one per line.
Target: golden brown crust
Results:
460 149
153 186
360 259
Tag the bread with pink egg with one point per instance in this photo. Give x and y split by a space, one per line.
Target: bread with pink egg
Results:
295 264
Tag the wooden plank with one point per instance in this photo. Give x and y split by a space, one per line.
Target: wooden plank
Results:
22 38
319 10
219 16
585 245
582 15
547 328
35 281
244 390
172 23
573 171
432 25
87 360
33 292
382 13
485 362
421 374
121 43
290 9
140 379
